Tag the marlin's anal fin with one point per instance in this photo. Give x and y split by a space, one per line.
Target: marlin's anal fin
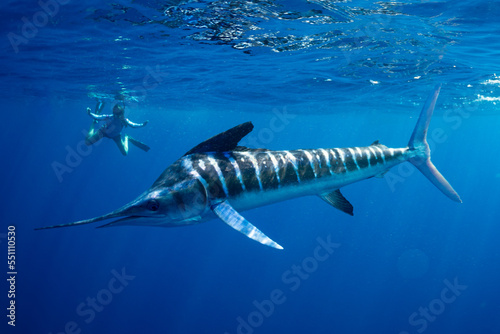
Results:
230 216
338 201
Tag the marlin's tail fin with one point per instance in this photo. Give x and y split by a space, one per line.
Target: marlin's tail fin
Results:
422 153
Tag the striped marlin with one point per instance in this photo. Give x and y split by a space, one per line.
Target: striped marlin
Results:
218 178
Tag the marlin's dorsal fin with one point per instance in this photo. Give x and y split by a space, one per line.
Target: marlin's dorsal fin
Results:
230 216
247 149
338 201
225 141
376 142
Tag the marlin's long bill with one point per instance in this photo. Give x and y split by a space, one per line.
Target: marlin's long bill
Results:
218 179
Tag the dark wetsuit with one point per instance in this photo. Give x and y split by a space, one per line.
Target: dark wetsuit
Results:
114 125
112 129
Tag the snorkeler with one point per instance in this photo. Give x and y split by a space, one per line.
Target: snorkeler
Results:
113 127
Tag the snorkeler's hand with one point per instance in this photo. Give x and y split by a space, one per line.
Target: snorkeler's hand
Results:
145 122
89 110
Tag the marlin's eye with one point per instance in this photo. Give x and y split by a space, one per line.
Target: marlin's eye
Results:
153 205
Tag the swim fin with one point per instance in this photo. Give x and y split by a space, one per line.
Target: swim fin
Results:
139 144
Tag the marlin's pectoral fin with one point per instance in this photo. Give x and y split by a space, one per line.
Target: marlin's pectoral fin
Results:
338 201
230 216
381 175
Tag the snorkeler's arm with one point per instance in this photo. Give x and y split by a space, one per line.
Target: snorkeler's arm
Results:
98 117
135 125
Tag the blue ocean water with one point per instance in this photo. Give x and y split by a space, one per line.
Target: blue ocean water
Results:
308 74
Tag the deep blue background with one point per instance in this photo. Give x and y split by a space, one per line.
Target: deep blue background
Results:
359 73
